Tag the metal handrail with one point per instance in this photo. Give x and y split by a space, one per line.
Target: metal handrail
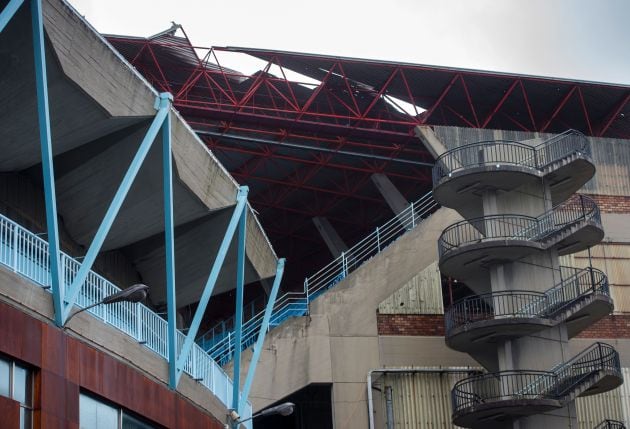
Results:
518 227
220 342
27 255
500 386
525 384
527 304
508 152
611 424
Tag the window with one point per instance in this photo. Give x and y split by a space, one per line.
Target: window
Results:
16 382
97 414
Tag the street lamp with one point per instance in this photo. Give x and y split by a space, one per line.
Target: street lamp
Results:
284 409
134 293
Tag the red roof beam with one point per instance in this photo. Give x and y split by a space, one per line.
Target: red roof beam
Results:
613 115
499 104
558 108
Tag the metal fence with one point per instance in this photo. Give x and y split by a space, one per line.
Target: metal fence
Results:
578 284
506 152
611 424
519 227
219 341
557 383
27 254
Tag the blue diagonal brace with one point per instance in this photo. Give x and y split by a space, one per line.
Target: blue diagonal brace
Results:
251 371
241 204
163 106
238 323
9 11
48 172
169 244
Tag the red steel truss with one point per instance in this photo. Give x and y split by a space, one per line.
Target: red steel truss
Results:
307 131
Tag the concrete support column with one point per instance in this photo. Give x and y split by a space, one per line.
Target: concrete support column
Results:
395 200
430 140
332 239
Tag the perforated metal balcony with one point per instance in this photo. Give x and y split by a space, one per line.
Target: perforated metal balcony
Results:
461 174
579 300
508 395
467 245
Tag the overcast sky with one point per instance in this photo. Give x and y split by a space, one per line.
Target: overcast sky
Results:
578 39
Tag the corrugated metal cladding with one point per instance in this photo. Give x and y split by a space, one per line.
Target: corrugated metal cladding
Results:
611 156
614 260
420 295
422 400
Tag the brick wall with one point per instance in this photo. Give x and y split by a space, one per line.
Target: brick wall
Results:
613 326
612 203
411 324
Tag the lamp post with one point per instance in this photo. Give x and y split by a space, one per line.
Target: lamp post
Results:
134 293
284 409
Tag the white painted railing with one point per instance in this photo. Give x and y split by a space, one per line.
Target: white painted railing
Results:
219 341
27 254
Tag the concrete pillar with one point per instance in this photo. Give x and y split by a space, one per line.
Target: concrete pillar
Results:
430 140
395 200
333 241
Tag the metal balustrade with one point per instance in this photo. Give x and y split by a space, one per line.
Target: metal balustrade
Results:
575 285
26 254
519 227
558 383
219 341
507 152
611 424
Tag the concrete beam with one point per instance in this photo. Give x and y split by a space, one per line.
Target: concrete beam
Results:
431 142
333 241
395 200
100 109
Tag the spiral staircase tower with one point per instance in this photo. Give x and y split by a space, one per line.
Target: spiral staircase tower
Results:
521 213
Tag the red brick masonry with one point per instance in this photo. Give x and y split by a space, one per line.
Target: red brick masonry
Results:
614 326
411 324
612 203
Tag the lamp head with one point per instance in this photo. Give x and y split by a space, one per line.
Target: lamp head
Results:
134 293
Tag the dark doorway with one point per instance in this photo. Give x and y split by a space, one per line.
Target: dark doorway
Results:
313 410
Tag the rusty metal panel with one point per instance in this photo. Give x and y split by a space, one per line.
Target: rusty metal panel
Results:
420 400
614 260
624 392
592 410
420 295
612 158
615 405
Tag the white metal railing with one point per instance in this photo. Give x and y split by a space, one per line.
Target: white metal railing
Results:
219 341
27 254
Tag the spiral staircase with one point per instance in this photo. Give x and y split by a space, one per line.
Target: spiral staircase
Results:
521 214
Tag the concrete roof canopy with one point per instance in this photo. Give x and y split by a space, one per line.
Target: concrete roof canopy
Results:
100 110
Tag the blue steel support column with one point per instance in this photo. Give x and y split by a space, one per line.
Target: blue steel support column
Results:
251 371
115 205
169 238
241 205
238 322
48 171
8 12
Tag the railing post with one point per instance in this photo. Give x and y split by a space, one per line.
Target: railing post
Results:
344 267
378 240
413 215
15 247
138 322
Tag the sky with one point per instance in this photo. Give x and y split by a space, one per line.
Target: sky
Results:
574 39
